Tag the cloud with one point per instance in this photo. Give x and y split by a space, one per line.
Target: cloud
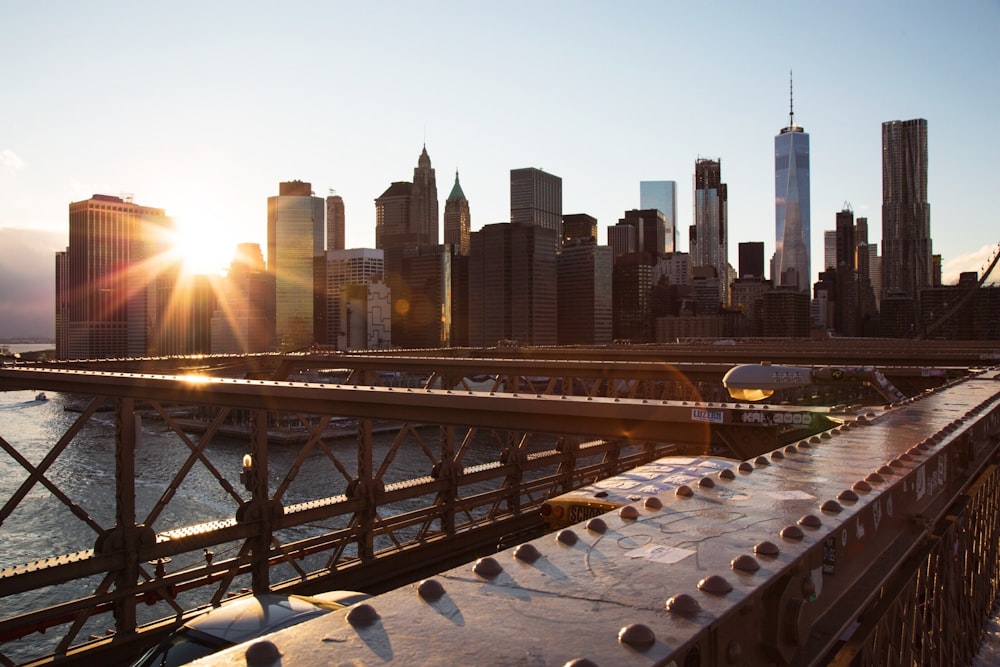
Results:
9 158
977 261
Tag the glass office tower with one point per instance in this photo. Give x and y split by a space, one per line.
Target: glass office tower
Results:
791 207
662 195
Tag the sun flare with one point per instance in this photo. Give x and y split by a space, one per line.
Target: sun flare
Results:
200 251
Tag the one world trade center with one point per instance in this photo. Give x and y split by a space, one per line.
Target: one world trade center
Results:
791 206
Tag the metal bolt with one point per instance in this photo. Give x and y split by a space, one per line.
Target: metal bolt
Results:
431 589
653 503
262 654
792 532
597 525
628 512
745 563
683 604
847 496
362 615
637 635
527 552
832 506
567 537
715 584
766 549
487 567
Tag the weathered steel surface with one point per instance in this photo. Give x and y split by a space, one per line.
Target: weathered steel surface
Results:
769 565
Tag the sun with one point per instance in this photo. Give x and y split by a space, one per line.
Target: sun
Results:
200 250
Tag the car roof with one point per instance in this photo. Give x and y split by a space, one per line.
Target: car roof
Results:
241 619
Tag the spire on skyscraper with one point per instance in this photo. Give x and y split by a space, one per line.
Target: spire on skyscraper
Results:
791 102
456 190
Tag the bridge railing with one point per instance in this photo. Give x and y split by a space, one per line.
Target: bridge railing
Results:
205 487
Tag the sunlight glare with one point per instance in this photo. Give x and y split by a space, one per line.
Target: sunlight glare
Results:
200 248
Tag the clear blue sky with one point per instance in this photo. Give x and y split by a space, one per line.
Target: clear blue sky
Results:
202 108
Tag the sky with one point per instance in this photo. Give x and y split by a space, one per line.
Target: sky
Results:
202 108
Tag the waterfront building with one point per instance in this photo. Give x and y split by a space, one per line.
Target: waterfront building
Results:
335 222
662 195
354 269
243 321
512 285
906 213
536 200
577 227
109 289
791 213
457 219
584 295
63 296
709 235
295 239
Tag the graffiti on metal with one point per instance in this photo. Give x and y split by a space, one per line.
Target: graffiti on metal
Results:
761 417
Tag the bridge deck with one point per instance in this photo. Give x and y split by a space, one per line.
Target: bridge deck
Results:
768 561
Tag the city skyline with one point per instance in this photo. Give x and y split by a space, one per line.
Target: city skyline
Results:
201 127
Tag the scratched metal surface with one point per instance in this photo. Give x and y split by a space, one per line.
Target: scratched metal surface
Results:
587 587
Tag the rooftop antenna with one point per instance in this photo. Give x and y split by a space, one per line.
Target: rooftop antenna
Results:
791 102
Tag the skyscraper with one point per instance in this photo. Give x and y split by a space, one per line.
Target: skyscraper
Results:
662 195
906 214
457 219
651 231
114 268
512 285
335 222
751 259
710 245
244 321
579 226
584 296
295 225
407 213
536 200
791 206
424 201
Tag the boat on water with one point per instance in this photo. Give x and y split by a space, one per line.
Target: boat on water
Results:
40 396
